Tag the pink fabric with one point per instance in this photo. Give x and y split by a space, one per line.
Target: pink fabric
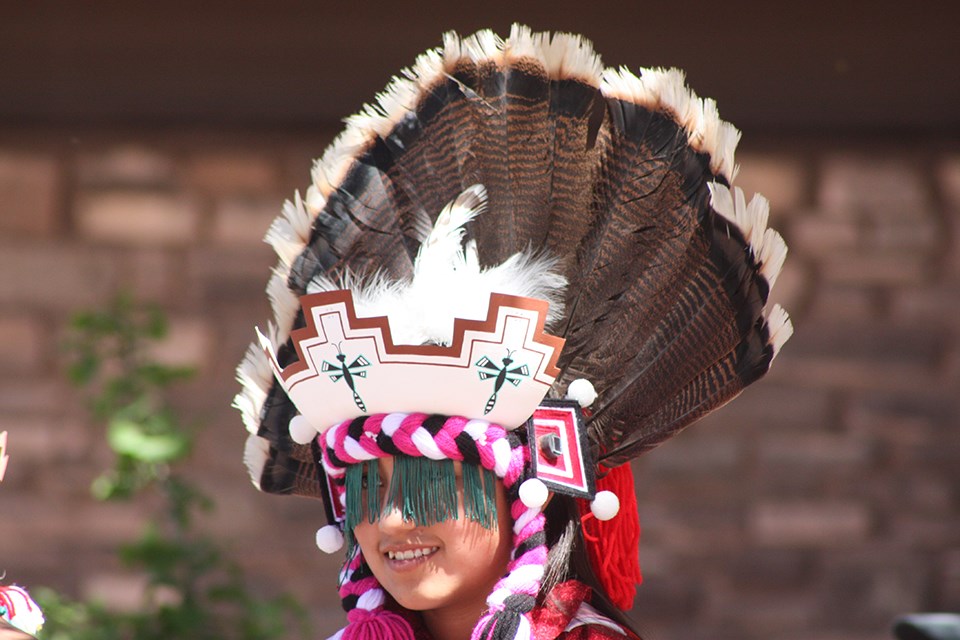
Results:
446 437
518 461
359 587
376 625
372 425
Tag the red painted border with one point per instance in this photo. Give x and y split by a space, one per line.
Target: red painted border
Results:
460 327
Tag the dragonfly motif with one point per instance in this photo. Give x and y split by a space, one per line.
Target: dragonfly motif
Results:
490 369
349 373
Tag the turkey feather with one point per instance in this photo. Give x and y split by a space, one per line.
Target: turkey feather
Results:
524 166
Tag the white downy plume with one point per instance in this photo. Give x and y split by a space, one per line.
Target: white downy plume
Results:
448 282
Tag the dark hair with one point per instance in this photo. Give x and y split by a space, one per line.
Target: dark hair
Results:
567 558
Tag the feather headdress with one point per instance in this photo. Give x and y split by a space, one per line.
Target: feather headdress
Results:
615 182
523 168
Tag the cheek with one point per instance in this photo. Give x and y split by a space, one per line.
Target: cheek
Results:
472 561
476 551
366 536
473 544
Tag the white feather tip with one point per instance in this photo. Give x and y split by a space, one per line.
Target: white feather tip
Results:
766 245
779 328
255 454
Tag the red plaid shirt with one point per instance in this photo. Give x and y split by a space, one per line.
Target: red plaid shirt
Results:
564 615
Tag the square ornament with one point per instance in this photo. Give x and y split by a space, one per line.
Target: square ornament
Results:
559 448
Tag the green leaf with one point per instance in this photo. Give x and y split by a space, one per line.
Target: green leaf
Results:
156 323
163 375
103 487
130 438
93 323
84 368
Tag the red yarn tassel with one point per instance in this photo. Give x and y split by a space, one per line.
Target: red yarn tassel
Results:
614 545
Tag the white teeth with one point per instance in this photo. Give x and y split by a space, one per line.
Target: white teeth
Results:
412 553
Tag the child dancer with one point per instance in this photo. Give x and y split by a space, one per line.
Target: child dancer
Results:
512 274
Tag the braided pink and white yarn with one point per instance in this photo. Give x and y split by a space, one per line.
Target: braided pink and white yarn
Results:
441 438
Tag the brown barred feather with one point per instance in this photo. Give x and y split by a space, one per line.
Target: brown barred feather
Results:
665 307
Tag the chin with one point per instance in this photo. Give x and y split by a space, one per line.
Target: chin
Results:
419 600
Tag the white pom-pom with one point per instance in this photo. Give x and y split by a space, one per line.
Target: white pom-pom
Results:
582 391
533 493
329 538
301 431
605 505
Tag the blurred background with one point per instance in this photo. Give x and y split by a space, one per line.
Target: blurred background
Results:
147 147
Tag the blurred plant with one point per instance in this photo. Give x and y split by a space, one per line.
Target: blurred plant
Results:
109 359
193 591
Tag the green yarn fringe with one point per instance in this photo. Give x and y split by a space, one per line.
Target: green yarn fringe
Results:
434 498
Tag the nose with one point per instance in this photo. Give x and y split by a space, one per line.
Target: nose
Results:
391 519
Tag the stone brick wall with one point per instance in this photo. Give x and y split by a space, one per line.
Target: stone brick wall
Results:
818 505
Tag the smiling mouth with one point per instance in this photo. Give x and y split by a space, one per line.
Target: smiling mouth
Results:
412 554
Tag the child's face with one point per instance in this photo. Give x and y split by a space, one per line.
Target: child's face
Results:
453 563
